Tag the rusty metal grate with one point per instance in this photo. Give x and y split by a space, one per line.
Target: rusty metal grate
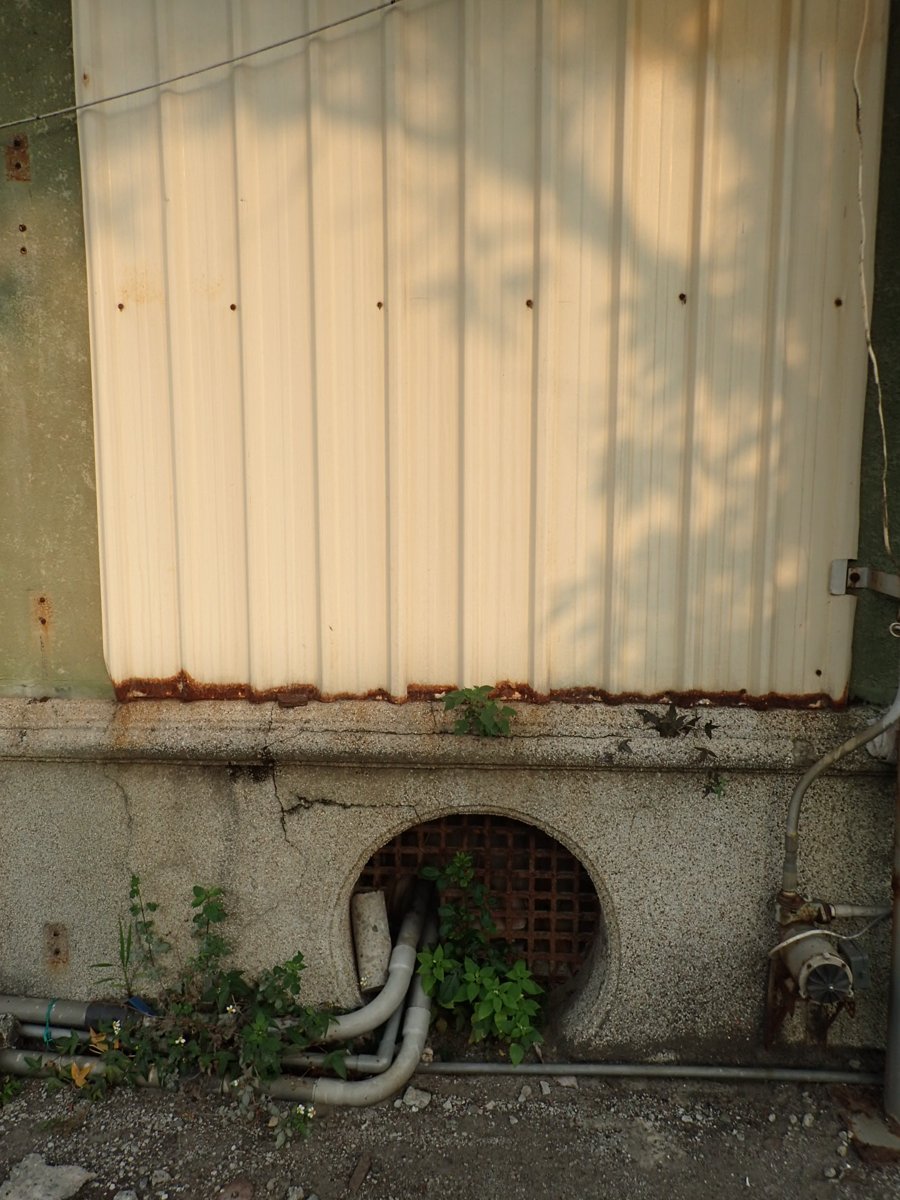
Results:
544 902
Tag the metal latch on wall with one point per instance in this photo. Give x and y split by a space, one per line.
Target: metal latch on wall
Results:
848 577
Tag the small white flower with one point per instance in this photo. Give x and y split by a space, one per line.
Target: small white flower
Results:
231 1009
117 1027
179 1041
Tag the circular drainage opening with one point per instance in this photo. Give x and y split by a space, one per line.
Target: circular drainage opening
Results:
544 903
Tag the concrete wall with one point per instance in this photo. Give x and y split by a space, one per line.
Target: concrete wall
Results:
50 643
284 807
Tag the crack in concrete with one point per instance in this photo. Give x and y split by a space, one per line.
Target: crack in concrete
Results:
305 803
282 811
129 816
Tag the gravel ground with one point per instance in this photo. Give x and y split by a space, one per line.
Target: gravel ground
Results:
501 1138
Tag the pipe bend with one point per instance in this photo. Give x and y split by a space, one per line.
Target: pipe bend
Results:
359 1093
792 828
400 971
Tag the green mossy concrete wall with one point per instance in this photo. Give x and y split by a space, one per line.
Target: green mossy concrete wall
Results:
875 651
50 633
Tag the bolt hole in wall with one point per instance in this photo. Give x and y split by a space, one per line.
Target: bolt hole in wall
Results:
545 903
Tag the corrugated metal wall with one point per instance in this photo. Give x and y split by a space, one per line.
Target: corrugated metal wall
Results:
478 340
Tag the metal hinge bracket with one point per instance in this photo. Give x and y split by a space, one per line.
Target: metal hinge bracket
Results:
849 577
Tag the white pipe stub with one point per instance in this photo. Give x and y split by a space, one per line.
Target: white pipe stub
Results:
371 937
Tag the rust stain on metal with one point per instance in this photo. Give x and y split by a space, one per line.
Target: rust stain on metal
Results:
184 687
428 691
18 159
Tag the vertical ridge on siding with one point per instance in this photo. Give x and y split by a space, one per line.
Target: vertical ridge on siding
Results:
769 500
690 618
478 340
395 218
314 134
544 360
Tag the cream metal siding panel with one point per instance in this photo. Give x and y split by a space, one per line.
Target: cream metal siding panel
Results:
478 340
498 216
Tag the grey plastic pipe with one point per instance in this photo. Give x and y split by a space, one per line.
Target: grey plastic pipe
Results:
656 1071
36 1032
359 1093
400 971
13 1062
857 911
77 1013
363 1064
381 1087
792 829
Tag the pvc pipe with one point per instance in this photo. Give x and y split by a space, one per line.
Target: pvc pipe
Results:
363 1064
79 1013
400 972
656 1071
892 1065
371 938
792 830
330 1091
56 1033
838 912
359 1093
337 1091
13 1062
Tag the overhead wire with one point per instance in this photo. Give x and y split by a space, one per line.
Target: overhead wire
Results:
225 62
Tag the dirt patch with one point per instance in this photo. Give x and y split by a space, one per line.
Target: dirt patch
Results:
501 1138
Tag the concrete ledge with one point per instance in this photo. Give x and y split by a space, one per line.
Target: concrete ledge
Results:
560 736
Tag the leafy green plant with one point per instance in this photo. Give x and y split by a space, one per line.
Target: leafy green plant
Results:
141 949
470 972
288 1123
673 724
465 914
478 713
9 1089
212 1019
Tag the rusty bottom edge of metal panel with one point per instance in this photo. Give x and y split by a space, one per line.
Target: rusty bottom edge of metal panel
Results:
184 687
